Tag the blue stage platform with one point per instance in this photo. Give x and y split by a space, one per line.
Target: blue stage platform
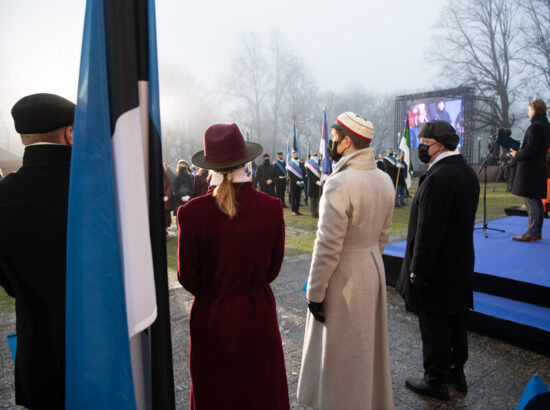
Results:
511 282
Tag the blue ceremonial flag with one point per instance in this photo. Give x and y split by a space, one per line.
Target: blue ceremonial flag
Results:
287 159
116 251
535 395
295 136
323 150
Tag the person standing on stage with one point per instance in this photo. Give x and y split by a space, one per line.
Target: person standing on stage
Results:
436 275
280 178
33 241
313 172
296 175
265 174
346 359
530 175
231 247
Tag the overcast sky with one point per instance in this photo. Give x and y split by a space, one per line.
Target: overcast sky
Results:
378 44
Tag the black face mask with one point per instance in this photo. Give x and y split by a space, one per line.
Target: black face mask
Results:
266 161
332 148
423 153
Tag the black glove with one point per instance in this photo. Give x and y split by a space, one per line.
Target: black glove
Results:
315 309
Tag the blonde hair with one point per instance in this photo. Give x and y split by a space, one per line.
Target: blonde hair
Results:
225 194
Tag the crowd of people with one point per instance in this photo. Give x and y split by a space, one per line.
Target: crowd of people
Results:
236 351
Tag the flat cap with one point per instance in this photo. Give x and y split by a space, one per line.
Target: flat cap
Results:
441 131
41 113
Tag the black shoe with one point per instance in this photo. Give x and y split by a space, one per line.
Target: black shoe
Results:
421 386
456 376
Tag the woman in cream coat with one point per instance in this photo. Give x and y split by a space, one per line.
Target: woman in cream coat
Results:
345 360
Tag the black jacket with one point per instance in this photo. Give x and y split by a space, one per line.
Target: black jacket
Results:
312 187
280 176
297 184
264 172
33 227
182 185
530 175
440 248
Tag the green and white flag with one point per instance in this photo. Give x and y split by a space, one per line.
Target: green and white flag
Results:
405 147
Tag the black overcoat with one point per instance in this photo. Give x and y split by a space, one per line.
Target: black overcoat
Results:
312 187
264 172
440 248
280 175
33 232
530 175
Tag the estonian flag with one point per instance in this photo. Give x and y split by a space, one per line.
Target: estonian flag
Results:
535 396
117 290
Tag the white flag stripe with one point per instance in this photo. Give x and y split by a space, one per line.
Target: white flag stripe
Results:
143 93
139 284
406 159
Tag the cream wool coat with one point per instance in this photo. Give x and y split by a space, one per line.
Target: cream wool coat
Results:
346 360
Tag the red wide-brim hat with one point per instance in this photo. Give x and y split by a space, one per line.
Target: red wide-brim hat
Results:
225 148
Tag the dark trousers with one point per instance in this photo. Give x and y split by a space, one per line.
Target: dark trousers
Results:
444 344
295 199
280 189
314 206
535 210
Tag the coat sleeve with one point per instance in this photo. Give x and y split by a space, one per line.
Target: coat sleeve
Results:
278 252
434 213
188 263
333 222
533 139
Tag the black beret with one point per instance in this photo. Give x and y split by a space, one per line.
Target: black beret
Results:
40 113
441 131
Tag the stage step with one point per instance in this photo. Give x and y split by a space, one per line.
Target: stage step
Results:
517 322
512 310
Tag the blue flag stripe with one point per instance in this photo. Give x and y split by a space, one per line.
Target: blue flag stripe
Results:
93 246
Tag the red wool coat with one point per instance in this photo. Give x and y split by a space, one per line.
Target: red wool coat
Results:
236 355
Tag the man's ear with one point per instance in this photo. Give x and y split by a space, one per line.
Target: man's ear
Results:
69 135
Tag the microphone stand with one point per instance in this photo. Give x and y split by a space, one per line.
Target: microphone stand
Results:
485 227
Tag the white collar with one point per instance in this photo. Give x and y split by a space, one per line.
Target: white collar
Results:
444 154
42 143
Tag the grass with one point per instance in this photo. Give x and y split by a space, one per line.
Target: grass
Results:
301 230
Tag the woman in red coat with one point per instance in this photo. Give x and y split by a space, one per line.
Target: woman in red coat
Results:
231 246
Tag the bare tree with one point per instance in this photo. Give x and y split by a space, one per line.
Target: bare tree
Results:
187 109
379 109
477 45
535 37
247 84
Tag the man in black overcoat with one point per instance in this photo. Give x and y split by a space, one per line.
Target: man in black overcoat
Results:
265 174
530 175
313 178
33 223
280 177
436 275
296 174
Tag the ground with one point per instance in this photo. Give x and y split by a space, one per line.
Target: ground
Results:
497 372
